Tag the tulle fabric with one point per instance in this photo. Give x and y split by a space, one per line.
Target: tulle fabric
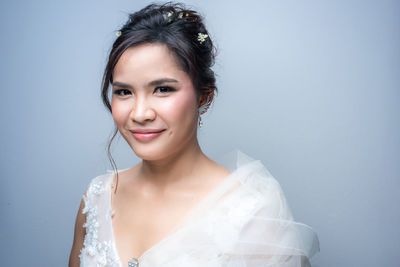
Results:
245 221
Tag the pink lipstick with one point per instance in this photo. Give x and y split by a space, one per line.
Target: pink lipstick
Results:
144 135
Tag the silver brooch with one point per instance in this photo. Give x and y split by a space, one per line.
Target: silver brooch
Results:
133 263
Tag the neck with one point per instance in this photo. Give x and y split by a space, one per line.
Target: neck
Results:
176 168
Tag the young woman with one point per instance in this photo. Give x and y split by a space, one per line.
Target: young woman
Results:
177 207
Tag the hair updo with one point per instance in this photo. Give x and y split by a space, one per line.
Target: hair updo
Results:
178 28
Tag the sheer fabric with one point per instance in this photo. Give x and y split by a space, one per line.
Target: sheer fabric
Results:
245 221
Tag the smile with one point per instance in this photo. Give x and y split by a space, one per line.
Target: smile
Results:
146 134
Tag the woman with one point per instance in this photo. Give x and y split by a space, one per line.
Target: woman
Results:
177 207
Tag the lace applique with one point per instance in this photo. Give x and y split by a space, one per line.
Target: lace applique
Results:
100 251
97 188
91 225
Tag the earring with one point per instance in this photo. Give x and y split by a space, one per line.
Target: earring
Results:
200 121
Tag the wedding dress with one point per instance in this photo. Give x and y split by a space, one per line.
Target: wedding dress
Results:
245 221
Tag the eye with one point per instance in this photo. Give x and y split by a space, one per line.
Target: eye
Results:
122 92
164 89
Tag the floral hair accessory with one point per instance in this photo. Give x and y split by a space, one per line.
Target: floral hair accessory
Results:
169 14
118 33
201 37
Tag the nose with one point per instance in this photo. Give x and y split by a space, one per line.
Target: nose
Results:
142 111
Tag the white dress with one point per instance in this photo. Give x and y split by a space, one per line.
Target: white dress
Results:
244 221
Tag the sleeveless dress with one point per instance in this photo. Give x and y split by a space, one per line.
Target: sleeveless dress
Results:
244 221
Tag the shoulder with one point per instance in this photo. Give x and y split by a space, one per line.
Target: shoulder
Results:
260 187
96 195
258 221
216 172
270 223
99 183
86 215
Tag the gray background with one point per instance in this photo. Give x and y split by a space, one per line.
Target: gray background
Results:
309 87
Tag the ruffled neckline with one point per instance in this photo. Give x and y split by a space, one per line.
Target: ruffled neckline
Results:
236 162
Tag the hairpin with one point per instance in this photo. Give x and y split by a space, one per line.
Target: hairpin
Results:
118 33
201 37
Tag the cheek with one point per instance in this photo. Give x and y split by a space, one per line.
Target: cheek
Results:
182 108
120 111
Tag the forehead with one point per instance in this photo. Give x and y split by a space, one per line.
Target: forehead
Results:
146 61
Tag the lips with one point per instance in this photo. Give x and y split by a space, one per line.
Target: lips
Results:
144 135
143 131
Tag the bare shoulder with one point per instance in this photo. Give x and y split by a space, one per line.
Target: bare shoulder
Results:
125 176
217 171
220 170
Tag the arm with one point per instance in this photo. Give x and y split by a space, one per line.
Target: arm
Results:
79 236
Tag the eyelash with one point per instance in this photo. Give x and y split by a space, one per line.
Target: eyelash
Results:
124 92
169 89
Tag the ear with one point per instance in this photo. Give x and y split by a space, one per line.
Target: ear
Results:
205 102
206 99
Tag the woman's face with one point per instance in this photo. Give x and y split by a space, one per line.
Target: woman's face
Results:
154 103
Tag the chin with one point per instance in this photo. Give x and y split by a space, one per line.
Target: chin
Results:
159 149
151 153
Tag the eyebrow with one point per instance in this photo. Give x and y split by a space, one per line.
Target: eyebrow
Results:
152 83
161 81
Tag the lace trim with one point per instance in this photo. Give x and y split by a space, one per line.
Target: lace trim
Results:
100 251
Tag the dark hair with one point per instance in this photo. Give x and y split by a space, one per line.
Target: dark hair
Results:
177 27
